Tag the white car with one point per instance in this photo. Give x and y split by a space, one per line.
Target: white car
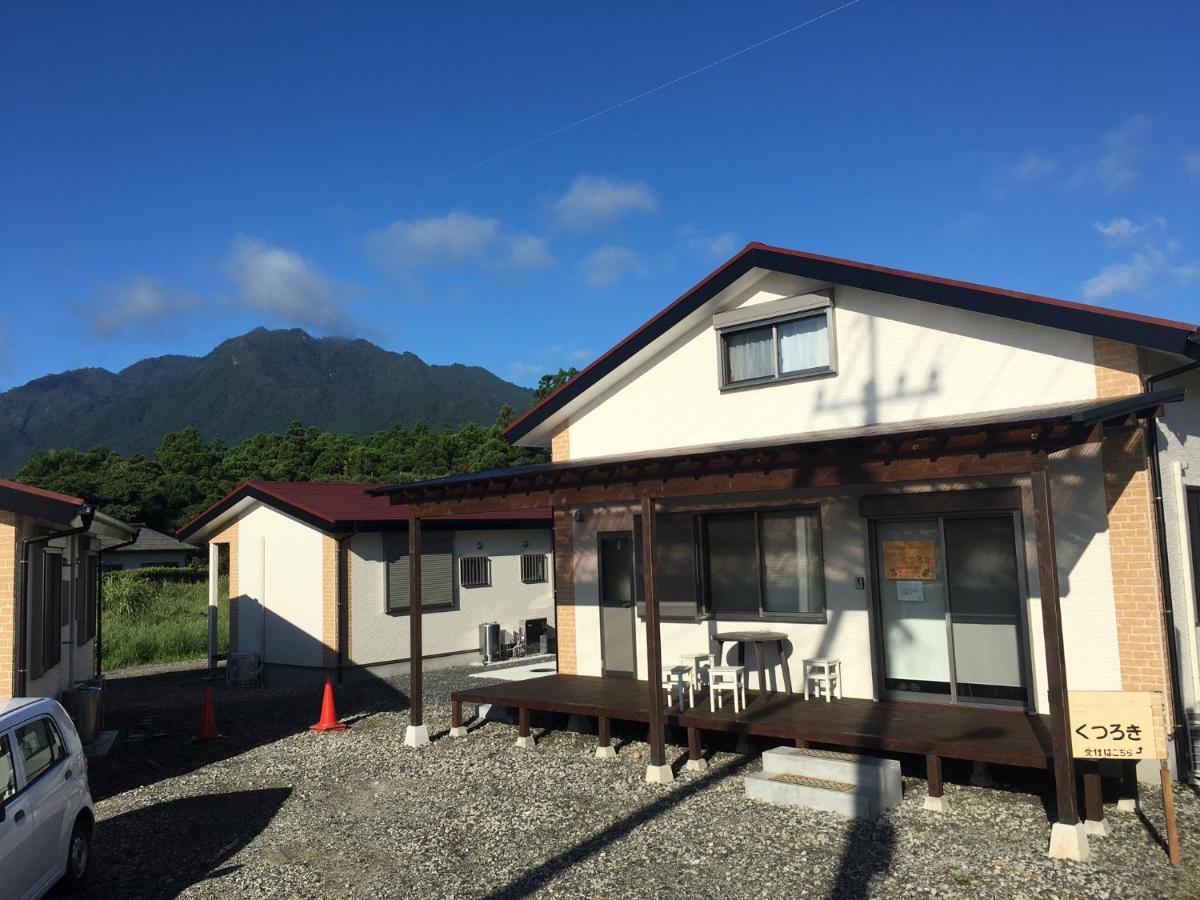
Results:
46 814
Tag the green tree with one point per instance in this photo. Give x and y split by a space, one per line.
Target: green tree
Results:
552 382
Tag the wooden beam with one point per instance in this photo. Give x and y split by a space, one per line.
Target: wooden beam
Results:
658 752
1056 663
416 709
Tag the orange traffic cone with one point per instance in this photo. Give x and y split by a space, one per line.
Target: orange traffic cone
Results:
329 720
208 719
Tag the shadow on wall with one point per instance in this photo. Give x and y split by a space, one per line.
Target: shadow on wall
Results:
200 833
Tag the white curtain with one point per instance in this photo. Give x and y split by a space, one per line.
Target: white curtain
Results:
749 354
791 561
804 344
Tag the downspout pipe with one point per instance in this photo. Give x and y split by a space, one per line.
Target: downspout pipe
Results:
21 676
1183 750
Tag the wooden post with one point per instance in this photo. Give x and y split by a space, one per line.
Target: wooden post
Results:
933 774
1128 801
658 752
694 751
416 712
1056 663
1168 793
603 731
456 714
1093 797
523 722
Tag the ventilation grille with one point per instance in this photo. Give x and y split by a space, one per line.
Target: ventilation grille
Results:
475 571
533 567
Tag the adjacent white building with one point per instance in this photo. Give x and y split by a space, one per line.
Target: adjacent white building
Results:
318 578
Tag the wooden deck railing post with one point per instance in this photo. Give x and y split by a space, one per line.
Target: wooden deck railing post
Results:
416 735
1068 840
657 771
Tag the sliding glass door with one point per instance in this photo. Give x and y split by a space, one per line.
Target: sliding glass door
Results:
950 608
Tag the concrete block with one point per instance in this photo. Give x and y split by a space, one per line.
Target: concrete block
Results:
696 765
609 752
416 736
527 742
937 804
1127 805
1096 828
1069 842
659 775
814 793
458 731
880 778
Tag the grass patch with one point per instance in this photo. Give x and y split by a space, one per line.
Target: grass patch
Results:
149 618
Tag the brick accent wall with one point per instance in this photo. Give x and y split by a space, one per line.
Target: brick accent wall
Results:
10 565
1133 541
230 536
564 591
329 600
560 443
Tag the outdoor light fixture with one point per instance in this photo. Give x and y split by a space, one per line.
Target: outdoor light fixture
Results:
579 515
479 545
524 543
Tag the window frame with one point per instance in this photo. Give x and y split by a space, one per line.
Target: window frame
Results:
26 782
52 601
773 314
1192 518
815 618
704 608
433 544
17 774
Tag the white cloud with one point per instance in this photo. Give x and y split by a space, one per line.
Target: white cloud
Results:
457 238
1191 162
1124 277
1122 230
592 200
283 283
604 267
138 301
1031 167
717 247
1116 166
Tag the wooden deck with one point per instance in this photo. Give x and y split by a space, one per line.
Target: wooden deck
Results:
988 735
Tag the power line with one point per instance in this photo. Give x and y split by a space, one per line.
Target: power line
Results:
623 103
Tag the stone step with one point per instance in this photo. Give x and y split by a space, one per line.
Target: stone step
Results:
825 794
877 778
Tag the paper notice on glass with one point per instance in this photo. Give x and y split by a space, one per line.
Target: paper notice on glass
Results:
910 591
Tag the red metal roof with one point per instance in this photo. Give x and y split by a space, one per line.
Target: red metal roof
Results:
42 492
335 505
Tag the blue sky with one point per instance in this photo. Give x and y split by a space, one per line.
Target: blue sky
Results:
172 175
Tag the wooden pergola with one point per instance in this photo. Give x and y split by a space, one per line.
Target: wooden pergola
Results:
1015 444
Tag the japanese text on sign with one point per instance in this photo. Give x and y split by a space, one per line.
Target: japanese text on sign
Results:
1117 725
909 560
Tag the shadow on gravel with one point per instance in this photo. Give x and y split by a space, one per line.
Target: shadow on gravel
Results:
157 716
535 879
161 850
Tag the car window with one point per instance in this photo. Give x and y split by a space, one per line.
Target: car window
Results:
41 747
8 773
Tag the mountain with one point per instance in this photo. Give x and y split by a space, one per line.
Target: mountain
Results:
258 382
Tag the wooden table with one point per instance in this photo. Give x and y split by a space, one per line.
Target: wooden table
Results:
759 639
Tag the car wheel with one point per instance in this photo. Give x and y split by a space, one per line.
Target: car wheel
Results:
79 854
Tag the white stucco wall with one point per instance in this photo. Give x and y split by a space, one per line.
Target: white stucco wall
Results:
77 663
1179 436
377 636
897 359
1093 662
146 558
279 587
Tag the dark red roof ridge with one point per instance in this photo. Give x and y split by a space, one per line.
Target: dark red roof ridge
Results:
42 492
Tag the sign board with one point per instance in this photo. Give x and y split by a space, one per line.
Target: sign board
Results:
910 560
1124 725
910 591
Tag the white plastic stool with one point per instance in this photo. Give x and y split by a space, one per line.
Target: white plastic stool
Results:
726 678
697 662
827 676
673 679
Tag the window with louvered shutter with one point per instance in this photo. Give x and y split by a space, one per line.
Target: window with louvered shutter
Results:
437 571
533 567
475 571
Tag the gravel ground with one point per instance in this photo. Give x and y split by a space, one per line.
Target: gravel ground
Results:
274 811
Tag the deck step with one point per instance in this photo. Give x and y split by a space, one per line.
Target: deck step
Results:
825 794
877 778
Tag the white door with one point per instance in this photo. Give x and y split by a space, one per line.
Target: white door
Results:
16 831
49 783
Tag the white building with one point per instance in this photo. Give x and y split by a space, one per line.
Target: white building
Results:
318 578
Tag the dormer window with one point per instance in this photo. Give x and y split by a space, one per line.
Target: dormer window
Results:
776 341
